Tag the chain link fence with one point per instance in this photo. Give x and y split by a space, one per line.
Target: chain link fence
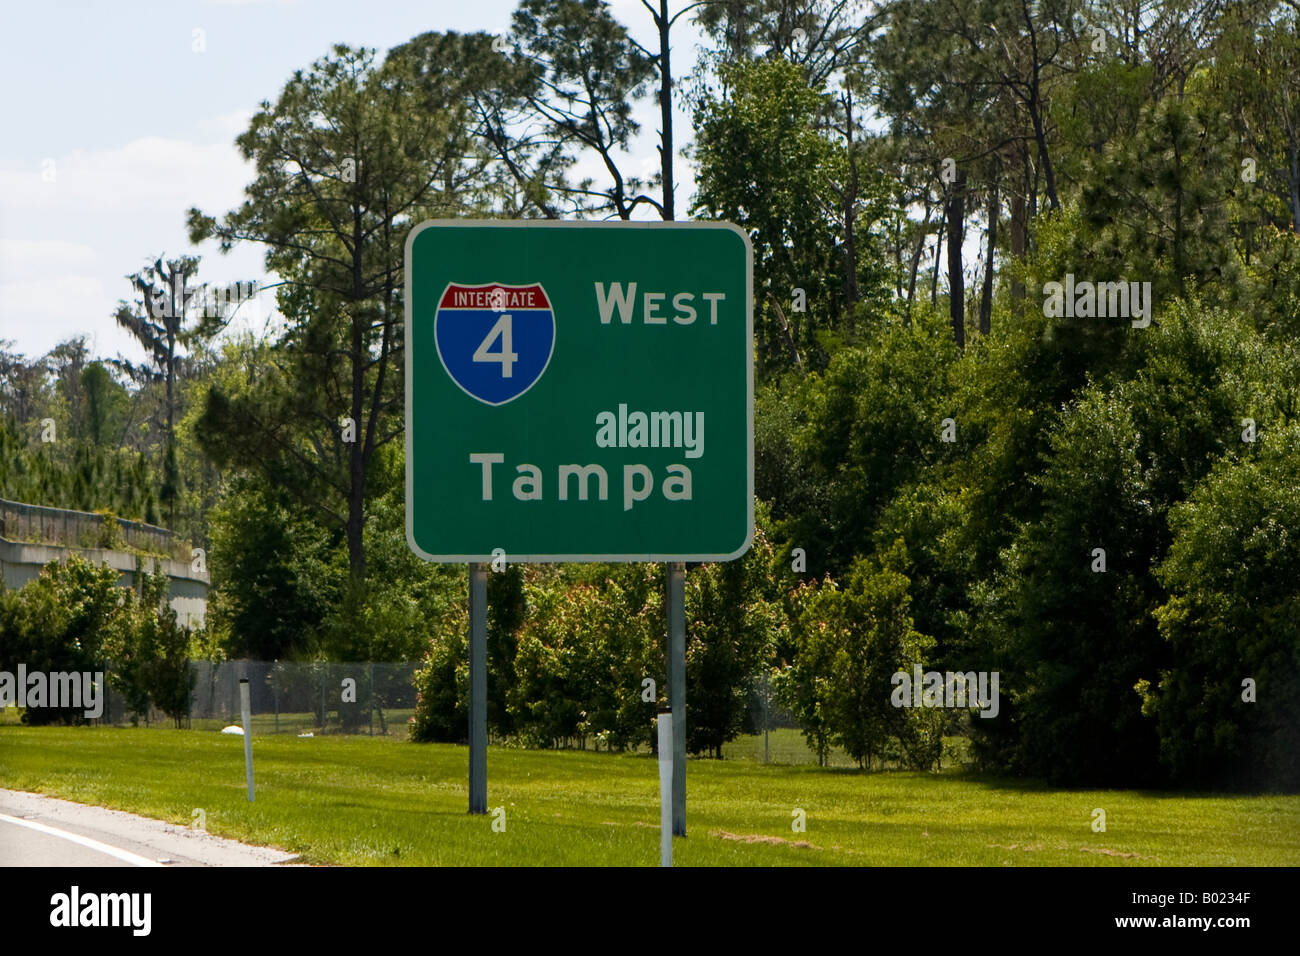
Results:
291 697
378 698
771 734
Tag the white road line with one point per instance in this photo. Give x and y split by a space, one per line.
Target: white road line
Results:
124 855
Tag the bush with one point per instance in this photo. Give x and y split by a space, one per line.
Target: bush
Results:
442 688
1234 613
850 642
59 622
77 617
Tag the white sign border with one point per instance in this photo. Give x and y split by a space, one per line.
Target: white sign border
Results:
623 558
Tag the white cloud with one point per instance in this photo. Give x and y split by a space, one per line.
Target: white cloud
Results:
147 175
46 258
67 245
225 128
42 283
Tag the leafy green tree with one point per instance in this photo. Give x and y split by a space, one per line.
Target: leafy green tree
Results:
1158 205
1233 617
945 59
586 643
23 384
1273 289
800 682
551 695
731 626
158 321
66 363
1256 80
764 166
442 690
149 652
822 36
274 574
347 158
1077 633
633 651
1073 628
507 607
867 426
968 88
626 647
62 621
518 168
850 642
587 75
106 402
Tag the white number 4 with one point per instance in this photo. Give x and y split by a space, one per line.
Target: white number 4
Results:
506 356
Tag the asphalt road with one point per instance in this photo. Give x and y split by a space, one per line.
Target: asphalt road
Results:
43 831
21 845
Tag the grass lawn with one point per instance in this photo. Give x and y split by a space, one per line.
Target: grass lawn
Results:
377 800
288 723
263 724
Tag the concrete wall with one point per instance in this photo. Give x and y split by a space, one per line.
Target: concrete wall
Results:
38 524
21 562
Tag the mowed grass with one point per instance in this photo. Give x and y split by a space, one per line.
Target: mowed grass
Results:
394 722
373 800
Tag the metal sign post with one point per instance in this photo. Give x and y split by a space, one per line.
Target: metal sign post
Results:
478 688
579 391
677 688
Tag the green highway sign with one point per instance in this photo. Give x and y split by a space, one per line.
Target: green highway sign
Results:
579 391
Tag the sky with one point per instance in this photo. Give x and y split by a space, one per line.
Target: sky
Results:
116 123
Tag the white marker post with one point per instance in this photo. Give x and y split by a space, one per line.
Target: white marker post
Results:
248 734
665 788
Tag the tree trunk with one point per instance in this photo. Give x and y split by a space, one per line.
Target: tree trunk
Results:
956 285
1018 225
356 460
986 295
171 475
850 209
1034 103
784 325
916 262
1041 137
1179 268
665 112
1293 153
1033 194
938 252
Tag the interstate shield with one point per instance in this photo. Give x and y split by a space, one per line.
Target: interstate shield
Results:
494 340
